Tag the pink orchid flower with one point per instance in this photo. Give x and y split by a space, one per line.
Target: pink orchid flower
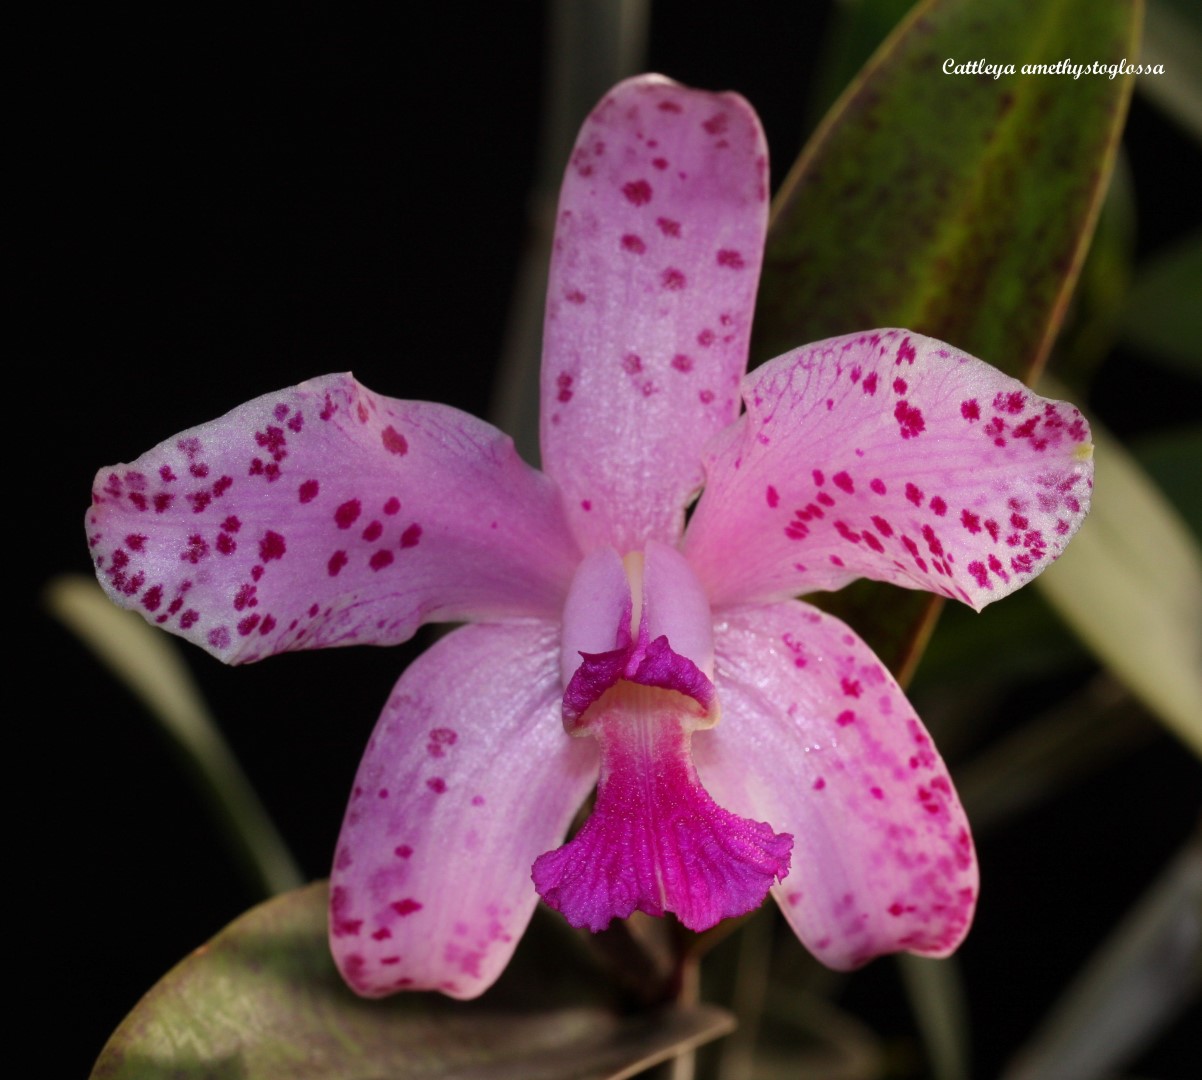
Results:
606 636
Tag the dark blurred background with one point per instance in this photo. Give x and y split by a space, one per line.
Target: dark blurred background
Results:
223 206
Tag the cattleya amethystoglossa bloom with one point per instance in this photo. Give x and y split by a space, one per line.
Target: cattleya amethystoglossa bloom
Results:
606 638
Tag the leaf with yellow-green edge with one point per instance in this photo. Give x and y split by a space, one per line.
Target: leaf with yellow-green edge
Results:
956 205
263 999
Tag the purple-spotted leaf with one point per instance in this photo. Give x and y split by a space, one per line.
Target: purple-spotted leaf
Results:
263 999
956 205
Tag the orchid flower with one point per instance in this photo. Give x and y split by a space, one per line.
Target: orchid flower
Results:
740 740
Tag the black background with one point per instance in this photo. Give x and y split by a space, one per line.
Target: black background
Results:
223 205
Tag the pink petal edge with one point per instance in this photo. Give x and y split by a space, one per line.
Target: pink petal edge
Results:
818 740
658 244
467 778
890 456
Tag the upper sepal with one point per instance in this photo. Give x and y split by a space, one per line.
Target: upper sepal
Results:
658 241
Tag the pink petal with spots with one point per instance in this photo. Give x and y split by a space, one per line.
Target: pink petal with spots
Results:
657 254
818 740
889 456
328 515
431 883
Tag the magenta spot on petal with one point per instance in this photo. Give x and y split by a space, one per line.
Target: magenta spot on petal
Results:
843 481
682 363
914 494
909 419
406 907
632 363
970 410
899 386
772 497
437 785
637 192
403 851
633 244
668 227
730 259
564 382
308 491
373 531
845 717
673 279
938 506
394 442
336 563
869 384
586 505
392 506
272 546
345 515
381 559
878 485
219 638
905 352
411 536
819 784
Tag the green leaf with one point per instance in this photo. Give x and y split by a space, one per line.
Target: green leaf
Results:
1174 39
148 662
1171 458
959 206
263 1000
1130 584
936 994
1163 315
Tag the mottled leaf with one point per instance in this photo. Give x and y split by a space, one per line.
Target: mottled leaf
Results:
959 206
263 1000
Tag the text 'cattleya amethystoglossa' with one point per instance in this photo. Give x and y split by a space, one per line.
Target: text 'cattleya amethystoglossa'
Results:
606 638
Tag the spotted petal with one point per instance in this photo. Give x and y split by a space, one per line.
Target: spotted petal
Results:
467 779
328 515
818 740
657 255
888 456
